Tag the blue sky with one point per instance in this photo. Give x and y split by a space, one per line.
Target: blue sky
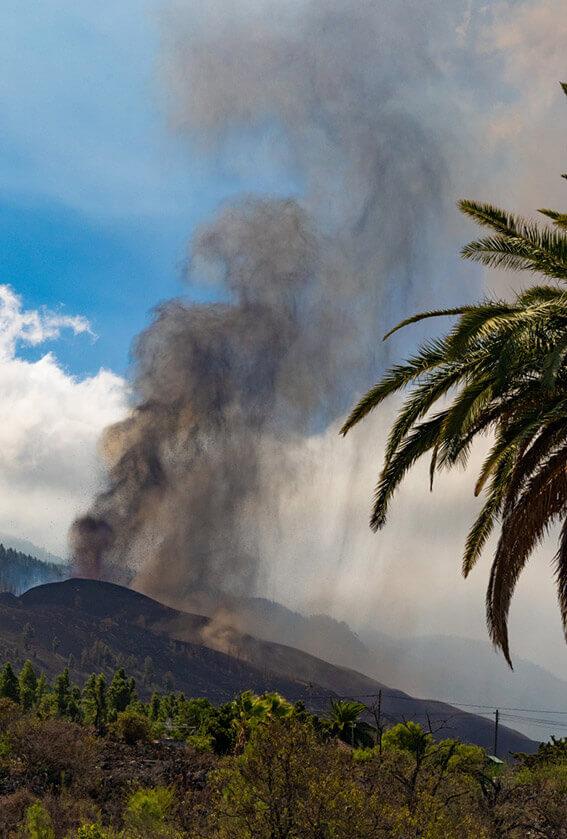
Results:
98 196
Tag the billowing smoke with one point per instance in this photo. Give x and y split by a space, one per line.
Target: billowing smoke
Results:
225 393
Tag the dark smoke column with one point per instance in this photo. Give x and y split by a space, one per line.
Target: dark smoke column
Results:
212 384
225 394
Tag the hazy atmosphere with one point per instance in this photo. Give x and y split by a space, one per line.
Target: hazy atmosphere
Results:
280 181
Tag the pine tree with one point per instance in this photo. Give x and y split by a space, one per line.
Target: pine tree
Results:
9 688
41 689
88 700
74 705
155 703
93 702
28 686
132 690
62 692
119 692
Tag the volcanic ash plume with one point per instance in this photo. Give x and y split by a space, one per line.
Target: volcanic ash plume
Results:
223 392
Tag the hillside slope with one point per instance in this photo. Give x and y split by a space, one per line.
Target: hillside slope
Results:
101 625
452 668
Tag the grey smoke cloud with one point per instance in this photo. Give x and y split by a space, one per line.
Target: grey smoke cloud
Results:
371 108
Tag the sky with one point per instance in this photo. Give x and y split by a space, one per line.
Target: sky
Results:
100 193
98 199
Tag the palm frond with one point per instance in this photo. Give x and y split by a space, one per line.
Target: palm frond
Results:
559 219
537 250
541 294
423 397
398 377
421 440
436 313
488 215
517 435
542 502
552 363
560 561
478 321
549 437
484 523
463 413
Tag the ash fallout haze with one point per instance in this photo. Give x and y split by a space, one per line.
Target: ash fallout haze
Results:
315 151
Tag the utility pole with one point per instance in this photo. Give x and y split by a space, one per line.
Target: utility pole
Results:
496 721
377 713
379 720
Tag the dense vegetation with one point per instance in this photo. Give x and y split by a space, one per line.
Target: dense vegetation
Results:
20 571
505 362
98 763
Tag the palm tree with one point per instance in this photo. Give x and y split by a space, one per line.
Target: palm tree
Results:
507 364
343 721
251 711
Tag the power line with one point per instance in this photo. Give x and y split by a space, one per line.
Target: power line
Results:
456 702
500 712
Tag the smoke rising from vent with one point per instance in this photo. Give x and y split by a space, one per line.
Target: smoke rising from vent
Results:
225 393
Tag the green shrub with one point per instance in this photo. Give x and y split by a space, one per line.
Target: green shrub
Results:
9 712
149 812
407 737
132 727
94 830
38 823
363 755
201 742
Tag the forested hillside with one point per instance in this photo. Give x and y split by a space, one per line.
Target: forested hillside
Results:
20 571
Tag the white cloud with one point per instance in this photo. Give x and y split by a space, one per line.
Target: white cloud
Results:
31 327
50 423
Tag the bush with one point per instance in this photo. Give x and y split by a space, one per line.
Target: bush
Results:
201 742
131 727
38 824
407 737
54 753
149 813
13 808
10 711
288 783
364 755
68 810
94 830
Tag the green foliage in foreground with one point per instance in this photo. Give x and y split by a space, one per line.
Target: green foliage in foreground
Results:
502 371
83 764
